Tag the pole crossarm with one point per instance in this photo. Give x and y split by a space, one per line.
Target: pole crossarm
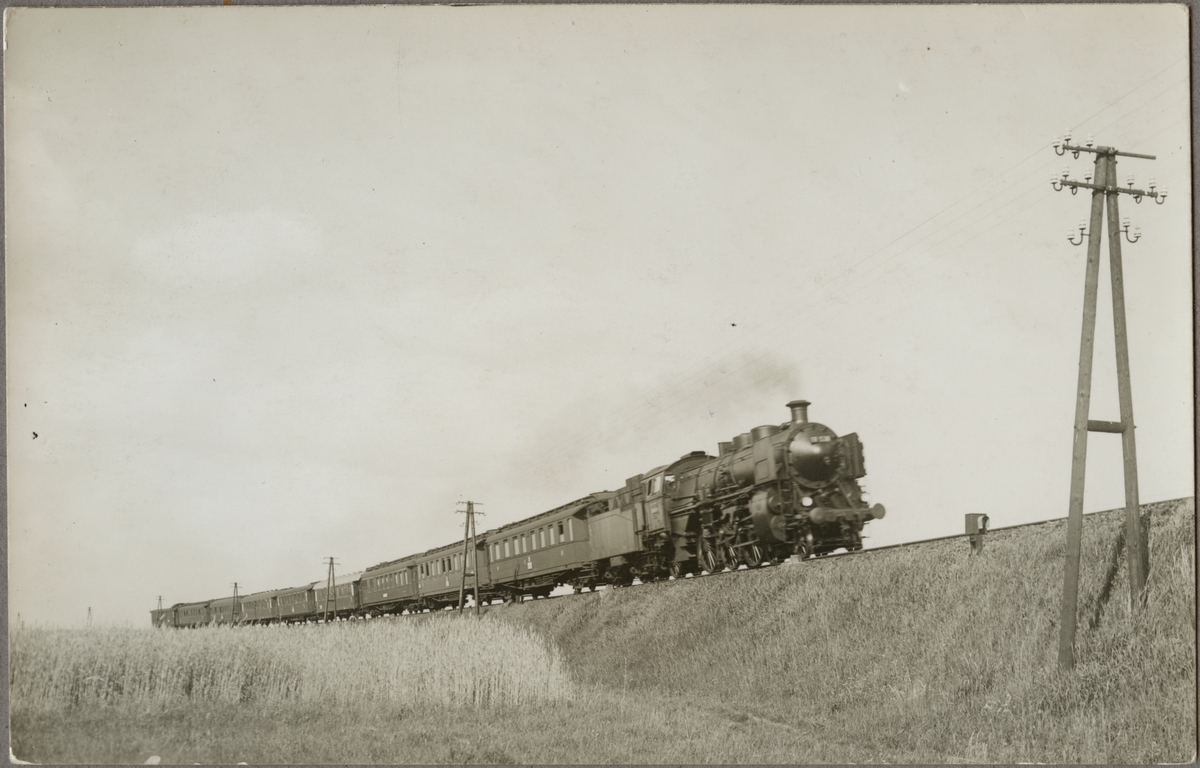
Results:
1075 149
1152 194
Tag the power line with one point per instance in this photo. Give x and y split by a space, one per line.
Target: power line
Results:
629 413
988 185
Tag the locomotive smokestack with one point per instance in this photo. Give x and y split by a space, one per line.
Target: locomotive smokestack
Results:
799 410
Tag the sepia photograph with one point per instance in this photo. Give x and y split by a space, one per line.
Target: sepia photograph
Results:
600 384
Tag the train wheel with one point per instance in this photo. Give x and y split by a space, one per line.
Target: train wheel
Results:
710 560
803 551
731 557
756 555
676 571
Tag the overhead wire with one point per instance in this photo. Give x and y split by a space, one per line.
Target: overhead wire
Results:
724 360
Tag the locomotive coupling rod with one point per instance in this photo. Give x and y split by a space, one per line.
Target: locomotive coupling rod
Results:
1106 426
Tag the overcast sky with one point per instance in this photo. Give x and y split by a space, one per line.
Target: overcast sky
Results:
285 283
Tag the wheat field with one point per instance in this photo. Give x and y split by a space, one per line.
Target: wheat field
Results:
443 660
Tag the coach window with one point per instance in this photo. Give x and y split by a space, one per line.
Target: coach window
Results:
542 533
506 548
571 529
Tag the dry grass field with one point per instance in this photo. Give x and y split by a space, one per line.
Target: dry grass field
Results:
916 654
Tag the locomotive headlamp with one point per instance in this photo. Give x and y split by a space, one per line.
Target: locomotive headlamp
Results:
806 501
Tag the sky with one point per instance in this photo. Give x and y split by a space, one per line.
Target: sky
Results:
290 283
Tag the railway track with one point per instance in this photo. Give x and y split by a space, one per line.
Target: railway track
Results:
833 555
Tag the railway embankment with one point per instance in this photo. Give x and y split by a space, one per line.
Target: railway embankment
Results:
918 653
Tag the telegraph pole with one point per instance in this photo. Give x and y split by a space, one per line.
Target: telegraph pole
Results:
235 610
1105 190
469 547
330 582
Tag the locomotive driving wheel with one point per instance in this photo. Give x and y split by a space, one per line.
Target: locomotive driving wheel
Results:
756 556
731 557
709 559
676 570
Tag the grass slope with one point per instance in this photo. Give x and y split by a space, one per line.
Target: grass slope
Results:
922 653
916 654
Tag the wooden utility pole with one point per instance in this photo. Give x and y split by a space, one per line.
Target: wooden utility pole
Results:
469 548
1105 189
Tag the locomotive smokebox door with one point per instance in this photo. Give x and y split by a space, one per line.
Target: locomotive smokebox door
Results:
976 527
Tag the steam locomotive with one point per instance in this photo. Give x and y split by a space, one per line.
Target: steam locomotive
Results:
777 491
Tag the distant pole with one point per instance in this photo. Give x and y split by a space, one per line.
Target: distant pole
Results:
330 581
89 619
235 610
1105 189
469 544
475 560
